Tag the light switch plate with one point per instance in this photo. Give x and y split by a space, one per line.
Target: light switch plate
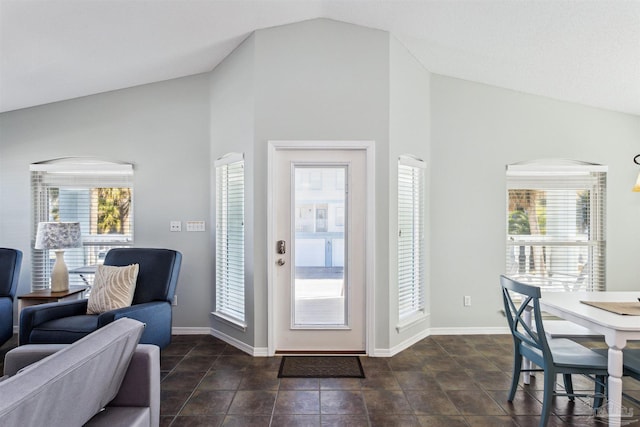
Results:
195 226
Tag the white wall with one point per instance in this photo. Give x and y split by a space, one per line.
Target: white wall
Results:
409 133
163 129
476 131
232 130
328 80
319 80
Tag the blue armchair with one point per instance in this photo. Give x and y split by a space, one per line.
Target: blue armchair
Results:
67 322
10 261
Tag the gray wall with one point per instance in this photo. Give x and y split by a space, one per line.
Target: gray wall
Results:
476 131
409 133
232 130
315 80
327 80
161 128
320 80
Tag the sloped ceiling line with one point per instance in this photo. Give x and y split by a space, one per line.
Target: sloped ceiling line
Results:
586 52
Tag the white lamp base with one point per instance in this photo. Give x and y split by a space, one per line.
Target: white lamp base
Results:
59 274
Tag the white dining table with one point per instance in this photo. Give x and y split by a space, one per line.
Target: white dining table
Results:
616 328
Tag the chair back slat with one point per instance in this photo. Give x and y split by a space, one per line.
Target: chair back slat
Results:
521 329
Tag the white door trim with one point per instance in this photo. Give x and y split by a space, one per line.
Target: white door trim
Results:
369 148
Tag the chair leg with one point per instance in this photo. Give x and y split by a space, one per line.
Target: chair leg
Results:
598 398
517 366
549 381
568 386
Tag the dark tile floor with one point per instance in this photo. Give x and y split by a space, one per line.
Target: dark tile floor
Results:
440 381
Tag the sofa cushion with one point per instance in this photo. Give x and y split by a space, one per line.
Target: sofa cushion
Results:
121 416
25 355
113 288
141 385
69 387
65 330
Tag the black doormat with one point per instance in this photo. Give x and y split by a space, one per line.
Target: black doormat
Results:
320 367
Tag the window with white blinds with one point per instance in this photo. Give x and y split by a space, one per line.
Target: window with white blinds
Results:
411 238
230 238
97 194
556 224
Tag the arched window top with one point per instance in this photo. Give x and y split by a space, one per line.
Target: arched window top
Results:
78 165
556 164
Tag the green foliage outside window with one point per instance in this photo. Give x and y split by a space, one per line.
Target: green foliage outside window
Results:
113 210
526 206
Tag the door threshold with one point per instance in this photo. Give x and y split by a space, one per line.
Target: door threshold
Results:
320 353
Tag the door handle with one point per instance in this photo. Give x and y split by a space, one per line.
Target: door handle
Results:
281 247
280 262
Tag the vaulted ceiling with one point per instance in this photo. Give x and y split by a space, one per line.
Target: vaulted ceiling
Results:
586 51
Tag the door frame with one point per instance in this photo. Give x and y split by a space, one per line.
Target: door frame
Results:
370 236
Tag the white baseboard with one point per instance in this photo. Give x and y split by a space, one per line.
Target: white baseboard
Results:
496 330
378 352
261 351
253 351
179 330
390 352
258 352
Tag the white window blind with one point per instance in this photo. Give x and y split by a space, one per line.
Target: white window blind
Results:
97 194
230 237
411 237
556 224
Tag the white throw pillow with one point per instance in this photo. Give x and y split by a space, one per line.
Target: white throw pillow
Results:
113 288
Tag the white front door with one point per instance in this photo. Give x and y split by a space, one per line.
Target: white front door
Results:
319 250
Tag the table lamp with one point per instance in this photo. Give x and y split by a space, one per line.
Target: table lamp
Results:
58 236
636 187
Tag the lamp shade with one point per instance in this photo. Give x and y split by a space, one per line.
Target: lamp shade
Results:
58 235
636 187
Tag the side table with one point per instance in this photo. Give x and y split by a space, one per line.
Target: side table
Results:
44 296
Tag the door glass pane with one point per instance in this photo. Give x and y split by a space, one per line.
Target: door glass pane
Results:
319 259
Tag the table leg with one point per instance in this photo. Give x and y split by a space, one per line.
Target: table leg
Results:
614 386
526 363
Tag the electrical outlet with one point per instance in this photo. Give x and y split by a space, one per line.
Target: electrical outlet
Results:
175 300
467 301
175 226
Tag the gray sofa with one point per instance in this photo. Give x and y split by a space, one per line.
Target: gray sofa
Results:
104 379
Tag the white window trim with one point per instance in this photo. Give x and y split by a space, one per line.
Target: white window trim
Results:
70 172
418 313
571 175
220 312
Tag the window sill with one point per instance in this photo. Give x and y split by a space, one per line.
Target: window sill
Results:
234 323
411 321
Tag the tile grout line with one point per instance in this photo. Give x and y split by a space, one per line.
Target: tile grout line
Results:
175 417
